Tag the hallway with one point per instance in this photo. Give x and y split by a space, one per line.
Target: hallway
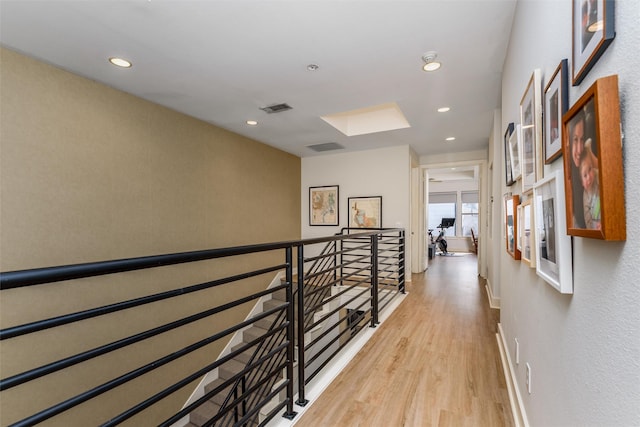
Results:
434 362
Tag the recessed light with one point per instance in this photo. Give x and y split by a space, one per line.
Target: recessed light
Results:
451 138
431 66
430 63
313 67
252 122
119 62
443 109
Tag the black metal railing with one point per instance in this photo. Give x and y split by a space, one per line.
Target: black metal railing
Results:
247 383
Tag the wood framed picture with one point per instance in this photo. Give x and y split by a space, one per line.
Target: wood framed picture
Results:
323 205
507 157
526 234
531 130
593 31
553 245
511 221
365 212
593 176
556 103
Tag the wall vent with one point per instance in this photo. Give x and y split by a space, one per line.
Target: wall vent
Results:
276 108
327 146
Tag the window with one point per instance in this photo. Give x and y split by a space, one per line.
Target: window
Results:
442 205
469 212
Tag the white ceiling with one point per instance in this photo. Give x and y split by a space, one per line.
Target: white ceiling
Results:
221 60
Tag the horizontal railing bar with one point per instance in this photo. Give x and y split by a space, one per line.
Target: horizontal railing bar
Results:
347 288
16 279
262 403
335 310
107 348
322 335
99 311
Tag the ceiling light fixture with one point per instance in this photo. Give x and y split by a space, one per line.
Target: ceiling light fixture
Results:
430 63
451 138
443 109
252 122
119 62
312 67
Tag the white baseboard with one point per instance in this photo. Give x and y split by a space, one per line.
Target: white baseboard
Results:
494 302
517 407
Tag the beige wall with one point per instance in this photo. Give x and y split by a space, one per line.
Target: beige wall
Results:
89 173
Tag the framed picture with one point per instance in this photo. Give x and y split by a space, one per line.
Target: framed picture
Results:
526 234
553 245
531 130
365 212
593 176
507 157
514 152
556 103
518 233
323 205
511 230
593 31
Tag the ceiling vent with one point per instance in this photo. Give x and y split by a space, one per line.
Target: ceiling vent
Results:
277 108
328 146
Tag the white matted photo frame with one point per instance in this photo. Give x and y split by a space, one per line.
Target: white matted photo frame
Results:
593 31
324 203
553 245
511 225
531 132
365 212
526 232
556 103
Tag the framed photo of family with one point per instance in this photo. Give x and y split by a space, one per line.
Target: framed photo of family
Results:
556 103
593 31
593 176
508 167
323 205
553 245
531 132
511 227
365 212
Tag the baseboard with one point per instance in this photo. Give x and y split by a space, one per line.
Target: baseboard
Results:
494 302
517 407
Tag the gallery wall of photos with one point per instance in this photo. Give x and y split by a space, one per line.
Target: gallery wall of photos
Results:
584 198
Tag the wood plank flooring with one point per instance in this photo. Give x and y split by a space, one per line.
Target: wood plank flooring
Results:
434 362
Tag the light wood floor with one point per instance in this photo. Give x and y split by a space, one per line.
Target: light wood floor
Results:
434 362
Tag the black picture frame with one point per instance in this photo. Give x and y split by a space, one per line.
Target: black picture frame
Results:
509 181
593 31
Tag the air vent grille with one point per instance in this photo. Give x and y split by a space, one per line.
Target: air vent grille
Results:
276 108
327 146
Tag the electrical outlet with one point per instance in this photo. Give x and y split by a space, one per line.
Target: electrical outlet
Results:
528 378
517 352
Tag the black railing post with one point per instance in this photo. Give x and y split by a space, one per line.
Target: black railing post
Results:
401 262
374 280
301 328
291 336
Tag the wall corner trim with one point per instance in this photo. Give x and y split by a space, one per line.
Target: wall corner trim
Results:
494 302
517 406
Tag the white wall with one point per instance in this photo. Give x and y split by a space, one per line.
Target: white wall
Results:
382 172
583 348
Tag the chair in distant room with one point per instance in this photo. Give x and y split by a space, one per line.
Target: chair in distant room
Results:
474 239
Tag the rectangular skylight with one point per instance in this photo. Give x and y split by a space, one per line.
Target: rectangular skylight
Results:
380 118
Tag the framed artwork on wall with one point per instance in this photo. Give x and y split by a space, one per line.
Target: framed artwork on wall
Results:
556 103
365 212
531 130
519 234
323 205
507 157
553 245
514 152
593 31
593 175
511 230
526 234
